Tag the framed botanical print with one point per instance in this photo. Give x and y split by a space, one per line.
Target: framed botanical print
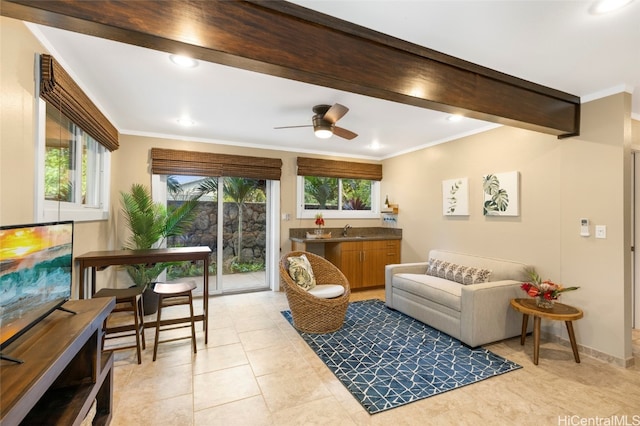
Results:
501 194
455 197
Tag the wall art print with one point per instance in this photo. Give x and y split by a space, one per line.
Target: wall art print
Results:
455 197
501 197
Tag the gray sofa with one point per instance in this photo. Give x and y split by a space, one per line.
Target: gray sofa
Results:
475 314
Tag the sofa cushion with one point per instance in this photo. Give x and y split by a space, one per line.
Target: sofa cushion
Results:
301 272
438 290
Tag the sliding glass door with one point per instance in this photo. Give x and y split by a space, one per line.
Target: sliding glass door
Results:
232 218
244 234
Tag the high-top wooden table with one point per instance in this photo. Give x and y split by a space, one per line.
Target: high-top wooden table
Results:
99 260
559 312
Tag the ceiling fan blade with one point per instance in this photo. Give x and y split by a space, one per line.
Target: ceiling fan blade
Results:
293 127
335 113
344 133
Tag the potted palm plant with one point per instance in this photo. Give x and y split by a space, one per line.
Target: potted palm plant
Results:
150 224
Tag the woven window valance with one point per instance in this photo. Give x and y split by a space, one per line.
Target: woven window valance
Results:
58 88
338 169
190 163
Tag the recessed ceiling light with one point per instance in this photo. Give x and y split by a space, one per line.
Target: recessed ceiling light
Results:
605 6
375 145
454 117
183 61
187 122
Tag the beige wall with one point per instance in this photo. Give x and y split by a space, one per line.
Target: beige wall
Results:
17 138
561 181
17 146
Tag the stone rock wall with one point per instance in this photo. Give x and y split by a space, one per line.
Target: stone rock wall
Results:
204 229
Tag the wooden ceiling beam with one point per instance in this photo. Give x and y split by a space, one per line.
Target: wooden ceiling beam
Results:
285 40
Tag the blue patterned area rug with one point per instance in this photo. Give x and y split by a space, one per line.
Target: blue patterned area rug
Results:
387 359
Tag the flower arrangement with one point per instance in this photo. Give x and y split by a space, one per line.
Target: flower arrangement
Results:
545 292
319 220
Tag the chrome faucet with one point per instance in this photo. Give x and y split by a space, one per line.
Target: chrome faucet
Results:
345 229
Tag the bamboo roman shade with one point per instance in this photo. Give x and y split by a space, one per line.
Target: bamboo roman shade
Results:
58 88
190 163
338 169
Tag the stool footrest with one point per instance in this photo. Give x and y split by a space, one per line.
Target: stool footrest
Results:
122 329
171 321
175 339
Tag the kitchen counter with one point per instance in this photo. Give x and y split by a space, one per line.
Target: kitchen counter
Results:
299 235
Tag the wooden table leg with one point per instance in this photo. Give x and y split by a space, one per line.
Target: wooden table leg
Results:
205 301
536 339
525 322
572 339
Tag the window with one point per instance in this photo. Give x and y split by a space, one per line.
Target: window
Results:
74 140
73 171
337 197
338 189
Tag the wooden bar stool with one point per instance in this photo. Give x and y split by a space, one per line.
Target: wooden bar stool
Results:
127 300
174 294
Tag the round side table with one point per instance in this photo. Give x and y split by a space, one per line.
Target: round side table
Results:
559 312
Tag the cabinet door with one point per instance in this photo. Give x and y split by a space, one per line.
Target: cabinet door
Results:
351 263
376 255
373 267
352 267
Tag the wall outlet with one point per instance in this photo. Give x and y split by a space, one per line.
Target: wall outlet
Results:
601 231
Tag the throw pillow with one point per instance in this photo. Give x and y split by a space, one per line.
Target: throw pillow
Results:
300 271
460 274
475 276
443 268
451 271
432 267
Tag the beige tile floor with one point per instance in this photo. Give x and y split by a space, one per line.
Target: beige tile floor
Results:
256 370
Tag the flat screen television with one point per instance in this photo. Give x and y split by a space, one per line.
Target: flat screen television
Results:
36 261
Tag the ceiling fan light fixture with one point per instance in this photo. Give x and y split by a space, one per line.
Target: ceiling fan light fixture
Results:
323 133
323 129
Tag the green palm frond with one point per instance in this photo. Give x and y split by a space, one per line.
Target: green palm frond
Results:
150 223
180 218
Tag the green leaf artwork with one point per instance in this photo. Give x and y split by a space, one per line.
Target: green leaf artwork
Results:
498 194
455 197
453 201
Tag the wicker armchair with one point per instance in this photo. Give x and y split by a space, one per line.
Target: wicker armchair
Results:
312 314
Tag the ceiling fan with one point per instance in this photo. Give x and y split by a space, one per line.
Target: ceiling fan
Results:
324 122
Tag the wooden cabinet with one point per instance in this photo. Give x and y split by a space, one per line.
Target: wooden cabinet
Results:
64 369
363 262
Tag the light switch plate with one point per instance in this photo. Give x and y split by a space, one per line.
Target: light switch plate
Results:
601 231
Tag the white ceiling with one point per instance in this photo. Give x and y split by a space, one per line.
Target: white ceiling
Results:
558 44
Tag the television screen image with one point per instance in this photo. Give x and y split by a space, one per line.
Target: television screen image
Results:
35 274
